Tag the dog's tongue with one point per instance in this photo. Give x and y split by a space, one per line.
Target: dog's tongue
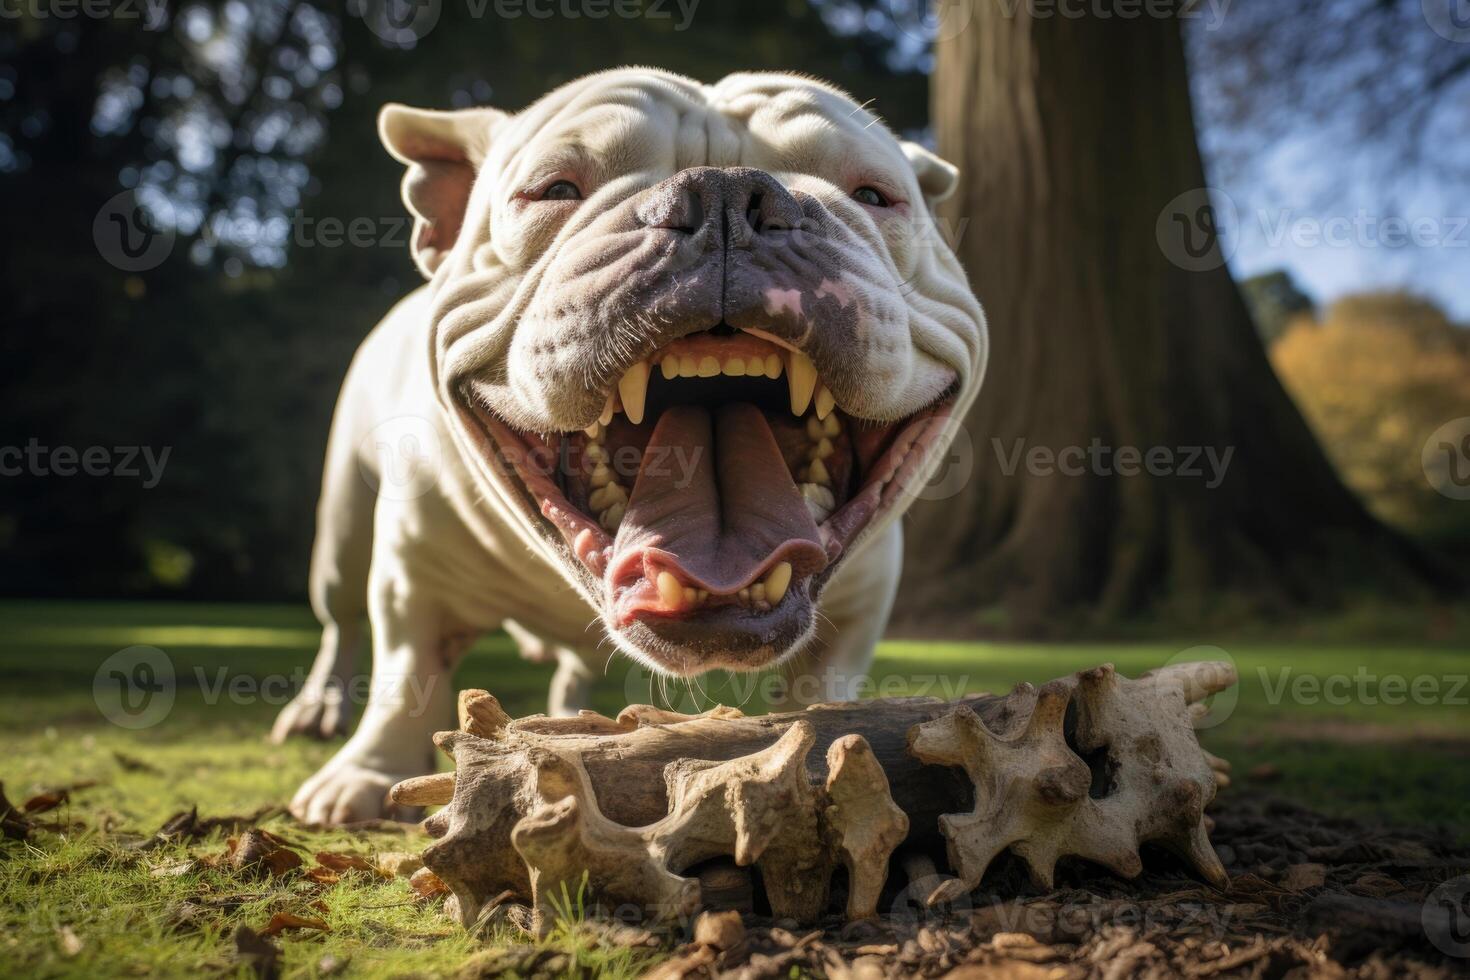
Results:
715 501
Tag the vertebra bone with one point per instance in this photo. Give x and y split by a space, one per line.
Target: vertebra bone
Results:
1091 765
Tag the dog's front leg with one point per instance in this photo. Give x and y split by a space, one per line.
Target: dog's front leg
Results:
411 697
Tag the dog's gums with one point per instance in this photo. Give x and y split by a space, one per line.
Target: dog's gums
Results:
721 484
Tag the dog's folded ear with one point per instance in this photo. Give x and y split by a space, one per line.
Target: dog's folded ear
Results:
937 176
443 152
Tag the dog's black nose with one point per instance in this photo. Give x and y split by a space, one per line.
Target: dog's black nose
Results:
730 204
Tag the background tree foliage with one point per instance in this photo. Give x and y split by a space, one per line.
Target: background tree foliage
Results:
1373 377
250 125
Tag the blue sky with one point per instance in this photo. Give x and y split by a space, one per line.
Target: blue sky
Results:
1348 242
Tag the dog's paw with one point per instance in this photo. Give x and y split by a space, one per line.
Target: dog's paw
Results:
347 792
319 711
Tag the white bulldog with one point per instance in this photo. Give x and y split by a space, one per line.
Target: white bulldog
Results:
685 355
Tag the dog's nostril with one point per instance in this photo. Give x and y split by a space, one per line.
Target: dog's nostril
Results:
753 211
693 215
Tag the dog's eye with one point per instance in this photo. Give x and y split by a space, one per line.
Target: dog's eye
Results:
870 196
562 190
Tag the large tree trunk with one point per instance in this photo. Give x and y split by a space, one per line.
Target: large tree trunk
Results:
1073 134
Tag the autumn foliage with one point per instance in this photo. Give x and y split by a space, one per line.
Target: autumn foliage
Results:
1375 377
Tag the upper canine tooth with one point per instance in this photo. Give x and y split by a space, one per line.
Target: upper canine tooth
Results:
802 380
777 582
669 590
670 367
825 401
633 389
708 366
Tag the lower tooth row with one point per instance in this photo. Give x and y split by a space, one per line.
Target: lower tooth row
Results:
608 499
677 596
762 595
816 480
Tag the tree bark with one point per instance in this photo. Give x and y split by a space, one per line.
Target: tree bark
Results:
1073 135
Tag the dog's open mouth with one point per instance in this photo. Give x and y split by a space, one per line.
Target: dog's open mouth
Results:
717 493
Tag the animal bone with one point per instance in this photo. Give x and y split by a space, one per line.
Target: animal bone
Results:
1037 797
1092 765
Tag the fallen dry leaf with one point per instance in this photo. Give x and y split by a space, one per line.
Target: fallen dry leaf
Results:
342 863
175 869
321 876
282 921
187 825
13 823
1300 877
49 800
427 885
55 796
1375 885
261 850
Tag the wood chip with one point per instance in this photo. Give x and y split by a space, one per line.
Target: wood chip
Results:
1301 877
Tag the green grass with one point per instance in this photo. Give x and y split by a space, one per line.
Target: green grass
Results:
1407 763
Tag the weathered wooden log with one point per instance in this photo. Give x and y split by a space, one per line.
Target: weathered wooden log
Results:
1091 765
